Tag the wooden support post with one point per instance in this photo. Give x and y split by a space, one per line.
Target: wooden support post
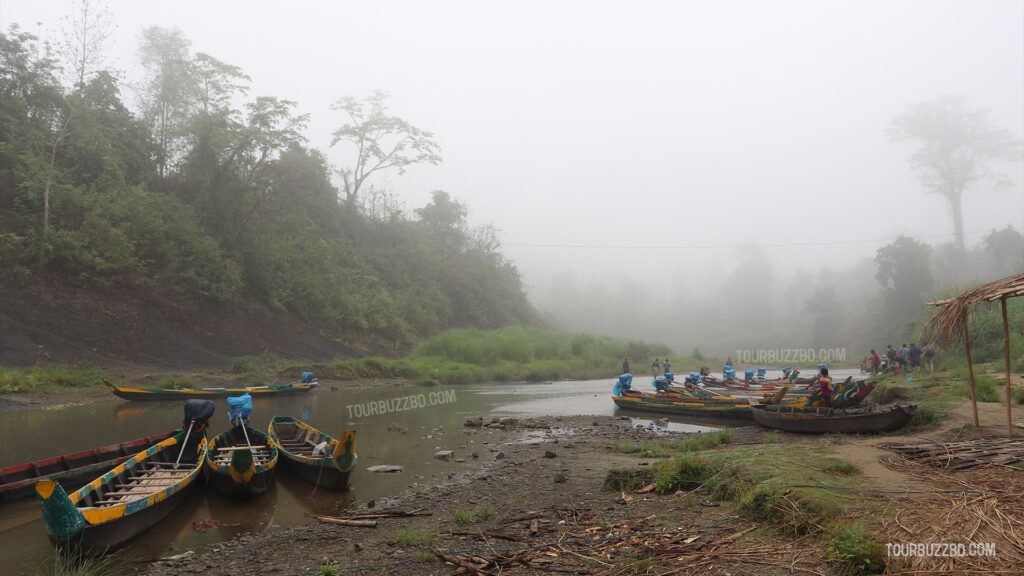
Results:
970 374
1009 396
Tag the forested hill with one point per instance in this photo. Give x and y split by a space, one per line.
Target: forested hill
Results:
196 201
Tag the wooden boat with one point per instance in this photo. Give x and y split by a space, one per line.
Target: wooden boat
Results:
242 462
825 420
685 405
313 455
695 401
135 495
70 470
129 393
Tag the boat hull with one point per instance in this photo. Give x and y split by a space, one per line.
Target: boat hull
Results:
129 393
296 442
71 470
235 470
120 504
826 420
684 406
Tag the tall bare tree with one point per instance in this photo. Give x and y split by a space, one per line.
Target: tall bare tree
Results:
85 35
959 146
382 142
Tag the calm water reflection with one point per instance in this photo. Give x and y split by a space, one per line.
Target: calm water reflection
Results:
409 437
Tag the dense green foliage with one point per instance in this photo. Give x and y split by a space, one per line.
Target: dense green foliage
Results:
47 378
468 356
196 197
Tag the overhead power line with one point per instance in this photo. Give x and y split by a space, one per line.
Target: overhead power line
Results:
744 245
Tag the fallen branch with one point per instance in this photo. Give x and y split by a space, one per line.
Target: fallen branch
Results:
348 522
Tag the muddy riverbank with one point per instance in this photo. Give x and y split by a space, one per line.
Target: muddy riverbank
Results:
545 487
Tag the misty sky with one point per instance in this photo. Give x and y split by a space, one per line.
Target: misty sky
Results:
651 128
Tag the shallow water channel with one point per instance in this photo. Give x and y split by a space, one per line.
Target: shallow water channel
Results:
402 425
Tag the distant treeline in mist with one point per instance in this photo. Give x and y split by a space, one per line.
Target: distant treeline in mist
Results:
757 307
196 195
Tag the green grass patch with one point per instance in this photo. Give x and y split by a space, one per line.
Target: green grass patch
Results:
843 467
414 538
69 562
49 378
984 387
780 484
770 437
855 550
329 569
1018 395
473 515
667 448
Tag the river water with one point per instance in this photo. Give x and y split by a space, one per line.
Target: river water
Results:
402 425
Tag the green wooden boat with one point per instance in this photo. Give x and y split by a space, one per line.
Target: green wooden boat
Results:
685 405
71 470
129 393
313 455
135 495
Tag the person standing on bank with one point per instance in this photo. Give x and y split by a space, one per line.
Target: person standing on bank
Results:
666 367
655 367
625 365
915 358
929 357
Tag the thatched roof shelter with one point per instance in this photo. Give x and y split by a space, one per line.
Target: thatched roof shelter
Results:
949 326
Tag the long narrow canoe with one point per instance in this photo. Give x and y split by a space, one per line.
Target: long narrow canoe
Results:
127 500
242 462
825 420
313 455
185 393
714 406
70 470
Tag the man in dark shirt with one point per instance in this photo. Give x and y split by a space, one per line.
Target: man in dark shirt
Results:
915 357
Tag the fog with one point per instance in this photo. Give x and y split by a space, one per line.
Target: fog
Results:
693 173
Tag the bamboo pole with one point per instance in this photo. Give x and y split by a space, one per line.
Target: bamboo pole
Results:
970 373
1009 396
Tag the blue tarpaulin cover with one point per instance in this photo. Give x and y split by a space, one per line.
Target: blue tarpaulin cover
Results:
307 377
240 406
625 381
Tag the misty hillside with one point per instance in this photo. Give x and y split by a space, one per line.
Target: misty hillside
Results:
197 199
724 178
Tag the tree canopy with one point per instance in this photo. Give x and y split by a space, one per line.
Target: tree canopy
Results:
209 193
958 146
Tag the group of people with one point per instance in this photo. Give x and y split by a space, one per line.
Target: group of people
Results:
904 358
657 368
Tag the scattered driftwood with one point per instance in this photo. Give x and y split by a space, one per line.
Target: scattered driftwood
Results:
981 506
381 514
347 522
963 455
